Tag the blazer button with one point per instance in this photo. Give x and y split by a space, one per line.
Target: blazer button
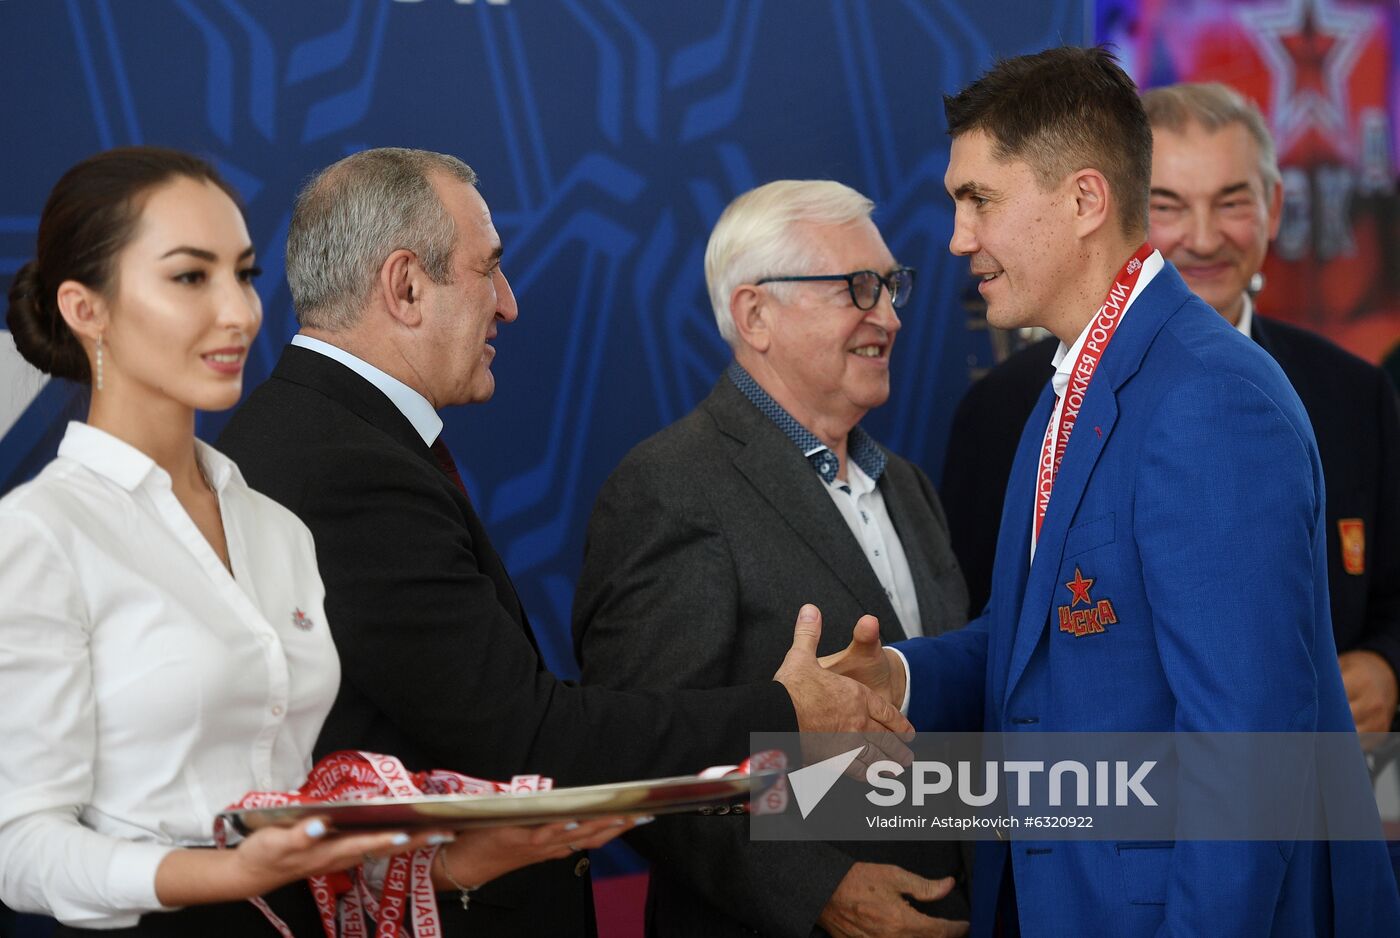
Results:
581 866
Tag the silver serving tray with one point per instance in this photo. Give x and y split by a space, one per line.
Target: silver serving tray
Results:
649 796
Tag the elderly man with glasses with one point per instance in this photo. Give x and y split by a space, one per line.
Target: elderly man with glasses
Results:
768 495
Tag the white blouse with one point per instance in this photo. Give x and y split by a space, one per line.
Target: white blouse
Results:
142 688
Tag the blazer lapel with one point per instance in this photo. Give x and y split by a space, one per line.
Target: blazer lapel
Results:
340 384
1010 569
777 470
343 386
1086 443
1141 323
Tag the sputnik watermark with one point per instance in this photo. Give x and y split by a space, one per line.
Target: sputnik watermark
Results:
931 779
893 784
1076 786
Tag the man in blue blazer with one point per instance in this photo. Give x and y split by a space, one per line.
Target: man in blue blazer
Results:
1216 203
1169 474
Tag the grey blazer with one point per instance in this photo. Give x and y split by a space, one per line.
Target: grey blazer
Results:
703 545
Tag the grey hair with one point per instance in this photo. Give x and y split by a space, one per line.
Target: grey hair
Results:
354 214
757 236
1213 106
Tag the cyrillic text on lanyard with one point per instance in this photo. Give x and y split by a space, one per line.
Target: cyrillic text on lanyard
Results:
1097 336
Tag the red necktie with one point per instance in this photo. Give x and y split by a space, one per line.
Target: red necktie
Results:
445 462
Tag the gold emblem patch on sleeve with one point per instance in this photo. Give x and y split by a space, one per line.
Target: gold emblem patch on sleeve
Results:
1353 532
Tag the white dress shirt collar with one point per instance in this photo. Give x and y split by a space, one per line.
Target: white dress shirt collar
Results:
115 459
1246 321
1065 357
410 403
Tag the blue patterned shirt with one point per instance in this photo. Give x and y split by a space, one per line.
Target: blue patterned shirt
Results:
862 449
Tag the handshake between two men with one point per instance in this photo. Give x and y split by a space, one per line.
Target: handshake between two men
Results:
855 690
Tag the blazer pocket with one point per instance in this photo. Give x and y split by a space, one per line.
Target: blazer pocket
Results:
1145 866
1088 535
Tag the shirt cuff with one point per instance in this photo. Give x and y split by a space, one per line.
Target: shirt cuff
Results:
126 891
131 876
904 662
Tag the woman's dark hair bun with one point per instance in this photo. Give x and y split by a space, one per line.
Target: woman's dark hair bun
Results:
90 216
40 333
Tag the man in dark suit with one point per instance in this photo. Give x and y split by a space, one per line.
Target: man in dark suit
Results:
1216 203
394 268
768 495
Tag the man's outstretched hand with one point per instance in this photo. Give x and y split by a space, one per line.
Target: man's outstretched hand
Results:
870 902
827 702
866 661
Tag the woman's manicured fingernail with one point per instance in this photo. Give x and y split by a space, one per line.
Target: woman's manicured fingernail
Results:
316 828
638 822
438 840
400 839
571 826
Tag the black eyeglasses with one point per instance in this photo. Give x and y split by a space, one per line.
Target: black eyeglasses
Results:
864 285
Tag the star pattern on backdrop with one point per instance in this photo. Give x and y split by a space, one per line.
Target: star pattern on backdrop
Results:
1310 48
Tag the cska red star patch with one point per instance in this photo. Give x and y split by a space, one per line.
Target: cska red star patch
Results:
1091 619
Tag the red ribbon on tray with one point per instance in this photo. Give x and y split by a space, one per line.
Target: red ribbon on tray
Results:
774 799
350 776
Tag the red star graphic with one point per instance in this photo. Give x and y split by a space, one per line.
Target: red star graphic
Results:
1309 48
1079 586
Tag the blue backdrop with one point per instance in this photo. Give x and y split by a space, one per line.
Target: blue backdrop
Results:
608 136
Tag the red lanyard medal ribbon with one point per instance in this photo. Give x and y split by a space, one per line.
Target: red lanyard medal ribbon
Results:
346 903
1096 338
350 775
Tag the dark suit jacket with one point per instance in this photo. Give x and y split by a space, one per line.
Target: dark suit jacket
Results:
439 666
1354 416
981 446
703 545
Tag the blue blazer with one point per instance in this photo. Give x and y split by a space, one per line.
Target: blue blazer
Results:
1192 494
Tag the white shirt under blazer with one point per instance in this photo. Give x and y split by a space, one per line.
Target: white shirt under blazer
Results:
144 688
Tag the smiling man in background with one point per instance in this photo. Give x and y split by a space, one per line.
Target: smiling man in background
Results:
710 535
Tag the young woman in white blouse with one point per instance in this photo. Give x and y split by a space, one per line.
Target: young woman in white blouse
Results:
163 647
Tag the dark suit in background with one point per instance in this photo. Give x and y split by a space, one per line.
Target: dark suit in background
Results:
981 447
1354 415
703 544
1353 410
439 665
